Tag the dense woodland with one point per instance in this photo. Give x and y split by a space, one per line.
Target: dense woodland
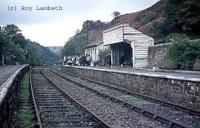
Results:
15 48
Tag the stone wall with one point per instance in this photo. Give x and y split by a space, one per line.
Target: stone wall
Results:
7 101
156 55
196 65
180 92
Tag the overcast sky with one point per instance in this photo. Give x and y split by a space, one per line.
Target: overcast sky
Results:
53 28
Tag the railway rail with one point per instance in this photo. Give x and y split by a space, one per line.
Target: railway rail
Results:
175 106
166 114
114 114
56 109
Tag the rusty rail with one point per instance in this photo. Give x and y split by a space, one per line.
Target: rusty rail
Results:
35 104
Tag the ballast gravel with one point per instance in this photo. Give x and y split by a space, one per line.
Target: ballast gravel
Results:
112 113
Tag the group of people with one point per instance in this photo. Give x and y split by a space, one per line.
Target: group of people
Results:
84 60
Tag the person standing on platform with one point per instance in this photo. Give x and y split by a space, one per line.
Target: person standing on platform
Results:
87 60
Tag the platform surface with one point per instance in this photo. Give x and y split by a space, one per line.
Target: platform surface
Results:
171 74
7 71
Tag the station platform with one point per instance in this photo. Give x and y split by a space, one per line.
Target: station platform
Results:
171 86
8 74
9 80
7 71
169 74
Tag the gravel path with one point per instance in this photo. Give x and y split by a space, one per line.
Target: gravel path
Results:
114 114
183 118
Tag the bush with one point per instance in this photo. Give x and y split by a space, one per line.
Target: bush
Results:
182 53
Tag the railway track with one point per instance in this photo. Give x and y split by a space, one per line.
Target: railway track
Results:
56 109
175 106
159 112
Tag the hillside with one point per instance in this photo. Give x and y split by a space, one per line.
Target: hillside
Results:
157 21
91 31
41 55
165 17
56 49
148 20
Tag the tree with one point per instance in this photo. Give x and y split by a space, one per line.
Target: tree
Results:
77 31
3 42
19 53
16 44
182 15
90 25
11 30
20 40
22 50
116 14
190 14
75 45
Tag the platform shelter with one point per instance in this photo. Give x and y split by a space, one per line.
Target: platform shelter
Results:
128 45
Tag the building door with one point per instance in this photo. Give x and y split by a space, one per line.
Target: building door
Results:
121 54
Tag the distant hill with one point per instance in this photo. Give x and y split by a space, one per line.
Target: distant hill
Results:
56 49
40 55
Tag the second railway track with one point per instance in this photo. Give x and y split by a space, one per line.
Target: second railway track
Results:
170 116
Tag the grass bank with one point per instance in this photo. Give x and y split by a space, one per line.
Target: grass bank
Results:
25 113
